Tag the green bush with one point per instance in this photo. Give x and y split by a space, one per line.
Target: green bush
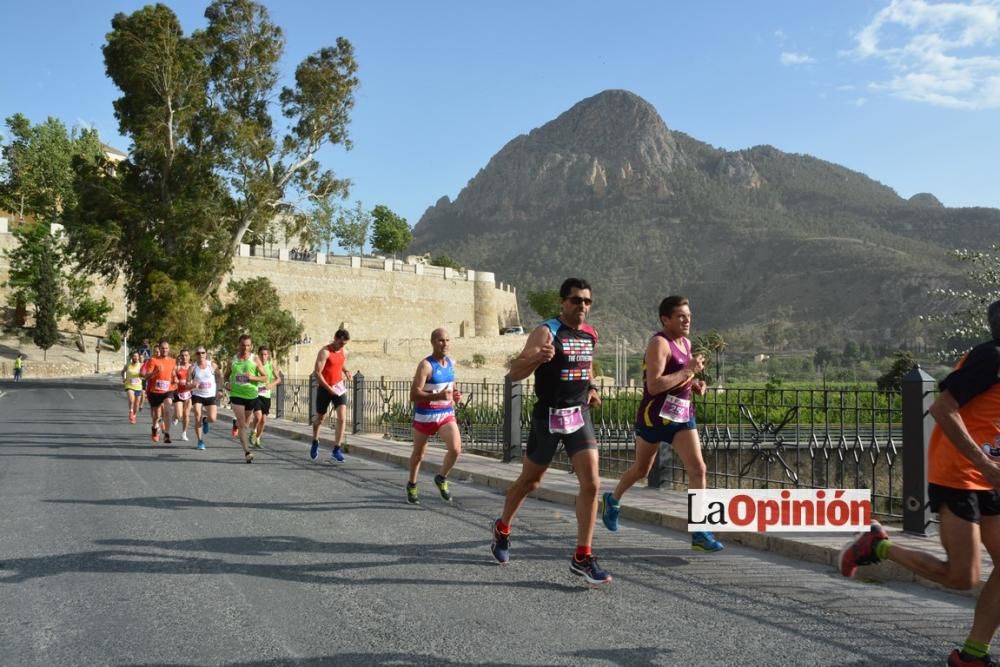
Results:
114 339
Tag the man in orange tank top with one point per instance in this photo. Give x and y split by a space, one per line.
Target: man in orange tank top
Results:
963 467
160 387
331 387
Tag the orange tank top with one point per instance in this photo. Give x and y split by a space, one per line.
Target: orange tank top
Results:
162 381
946 465
333 371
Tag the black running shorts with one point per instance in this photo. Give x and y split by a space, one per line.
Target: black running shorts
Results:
967 504
325 398
203 400
156 400
264 404
542 443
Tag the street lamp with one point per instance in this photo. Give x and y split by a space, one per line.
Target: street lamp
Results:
97 348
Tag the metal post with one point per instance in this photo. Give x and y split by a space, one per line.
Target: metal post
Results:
312 397
918 394
358 405
655 479
279 400
512 392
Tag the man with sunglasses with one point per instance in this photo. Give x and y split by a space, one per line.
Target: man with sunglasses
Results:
560 353
205 381
160 387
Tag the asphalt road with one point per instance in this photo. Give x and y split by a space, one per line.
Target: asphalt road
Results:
114 551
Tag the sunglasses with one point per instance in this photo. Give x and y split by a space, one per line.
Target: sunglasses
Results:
577 300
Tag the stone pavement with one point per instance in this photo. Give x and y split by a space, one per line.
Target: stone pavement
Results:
656 507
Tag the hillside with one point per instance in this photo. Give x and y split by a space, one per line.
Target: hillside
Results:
608 192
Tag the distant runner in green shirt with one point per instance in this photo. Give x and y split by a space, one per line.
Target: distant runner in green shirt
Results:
264 390
18 368
245 371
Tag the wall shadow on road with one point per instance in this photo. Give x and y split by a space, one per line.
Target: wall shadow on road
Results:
187 503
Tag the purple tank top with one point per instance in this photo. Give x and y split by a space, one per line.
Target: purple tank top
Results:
651 405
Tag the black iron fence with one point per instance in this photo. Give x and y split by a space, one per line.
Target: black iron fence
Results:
751 438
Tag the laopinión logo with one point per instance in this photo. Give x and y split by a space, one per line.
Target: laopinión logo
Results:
779 510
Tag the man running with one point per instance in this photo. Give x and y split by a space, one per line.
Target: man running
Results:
205 381
160 388
666 413
963 471
331 377
560 354
132 378
264 390
434 396
245 372
182 397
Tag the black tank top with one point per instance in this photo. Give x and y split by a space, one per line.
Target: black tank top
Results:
563 381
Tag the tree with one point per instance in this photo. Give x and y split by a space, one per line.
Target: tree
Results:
963 320
445 261
351 228
256 309
33 240
892 379
209 163
81 308
46 333
822 359
390 233
546 303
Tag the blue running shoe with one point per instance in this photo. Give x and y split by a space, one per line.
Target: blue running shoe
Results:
314 450
204 425
337 455
201 444
589 570
705 541
500 546
609 514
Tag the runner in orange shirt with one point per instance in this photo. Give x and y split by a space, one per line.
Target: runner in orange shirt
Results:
331 378
963 467
160 387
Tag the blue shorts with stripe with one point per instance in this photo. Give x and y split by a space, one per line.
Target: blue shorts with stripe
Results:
663 432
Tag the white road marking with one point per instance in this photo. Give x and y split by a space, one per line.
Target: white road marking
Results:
70 395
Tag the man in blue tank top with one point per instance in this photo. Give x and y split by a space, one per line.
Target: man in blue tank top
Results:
666 412
434 397
560 353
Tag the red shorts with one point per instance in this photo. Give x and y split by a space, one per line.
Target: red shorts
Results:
431 428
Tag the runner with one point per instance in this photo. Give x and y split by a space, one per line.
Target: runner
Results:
434 396
245 373
264 389
205 381
160 387
666 413
18 367
182 397
963 471
132 377
331 376
560 354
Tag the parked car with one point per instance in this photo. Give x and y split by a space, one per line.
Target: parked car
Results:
513 331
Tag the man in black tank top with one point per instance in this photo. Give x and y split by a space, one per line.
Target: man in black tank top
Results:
560 354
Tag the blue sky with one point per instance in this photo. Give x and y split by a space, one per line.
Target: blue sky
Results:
907 92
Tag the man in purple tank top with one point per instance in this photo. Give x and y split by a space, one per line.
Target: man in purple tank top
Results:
666 412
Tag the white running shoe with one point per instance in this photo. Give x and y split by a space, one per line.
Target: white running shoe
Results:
184 436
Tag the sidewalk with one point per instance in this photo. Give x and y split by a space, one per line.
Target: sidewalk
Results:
656 507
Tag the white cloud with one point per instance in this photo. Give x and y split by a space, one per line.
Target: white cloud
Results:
860 102
942 53
789 58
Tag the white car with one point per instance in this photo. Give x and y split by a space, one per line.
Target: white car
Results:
513 331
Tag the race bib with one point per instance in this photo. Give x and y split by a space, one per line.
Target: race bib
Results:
242 378
339 389
676 409
565 420
204 386
162 385
183 395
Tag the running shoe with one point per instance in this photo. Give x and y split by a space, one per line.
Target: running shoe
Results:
610 511
861 551
705 541
959 658
442 484
500 546
254 439
156 434
589 570
166 437
248 457
201 445
204 425
236 429
411 494
314 450
184 436
131 418
337 455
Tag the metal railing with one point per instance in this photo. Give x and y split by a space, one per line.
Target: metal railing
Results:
750 437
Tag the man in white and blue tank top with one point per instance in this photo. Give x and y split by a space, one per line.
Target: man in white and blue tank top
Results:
434 397
666 411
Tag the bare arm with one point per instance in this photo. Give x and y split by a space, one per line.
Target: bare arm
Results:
946 414
318 369
277 376
657 356
346 373
538 349
417 392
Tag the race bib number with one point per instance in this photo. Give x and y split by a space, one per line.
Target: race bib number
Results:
676 409
204 386
339 389
162 385
242 378
565 420
183 395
